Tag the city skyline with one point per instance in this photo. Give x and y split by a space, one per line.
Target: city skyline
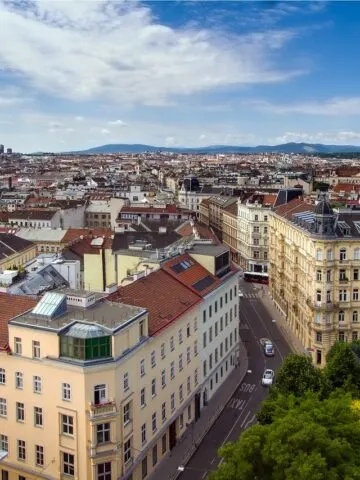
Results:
76 75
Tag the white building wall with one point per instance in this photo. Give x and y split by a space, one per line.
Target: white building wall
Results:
212 336
70 270
73 217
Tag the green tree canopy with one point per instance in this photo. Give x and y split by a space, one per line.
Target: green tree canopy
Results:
342 367
311 439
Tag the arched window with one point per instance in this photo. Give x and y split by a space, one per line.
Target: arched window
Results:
355 316
357 254
342 254
341 316
319 254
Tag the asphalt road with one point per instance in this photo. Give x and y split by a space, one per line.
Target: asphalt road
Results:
255 323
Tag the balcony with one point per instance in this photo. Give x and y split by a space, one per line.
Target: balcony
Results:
344 326
322 327
321 305
343 281
102 410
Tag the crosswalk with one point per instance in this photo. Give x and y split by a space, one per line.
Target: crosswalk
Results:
251 295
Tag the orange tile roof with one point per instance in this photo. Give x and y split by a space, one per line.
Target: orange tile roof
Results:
346 187
186 230
74 234
153 293
11 306
190 276
269 199
295 206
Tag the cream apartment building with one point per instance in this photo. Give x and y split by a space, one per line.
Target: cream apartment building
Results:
253 232
315 273
97 389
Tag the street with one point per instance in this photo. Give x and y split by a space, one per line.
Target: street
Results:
255 323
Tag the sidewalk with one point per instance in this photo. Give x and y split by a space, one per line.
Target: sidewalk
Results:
190 441
294 343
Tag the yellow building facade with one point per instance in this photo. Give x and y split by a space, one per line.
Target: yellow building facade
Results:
315 273
87 393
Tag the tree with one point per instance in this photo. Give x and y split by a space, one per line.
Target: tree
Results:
342 367
297 375
312 439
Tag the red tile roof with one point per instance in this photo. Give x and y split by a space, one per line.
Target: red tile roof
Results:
84 246
167 209
75 234
153 293
346 187
295 206
186 230
11 306
269 199
191 275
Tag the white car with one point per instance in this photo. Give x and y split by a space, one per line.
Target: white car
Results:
268 347
268 377
241 294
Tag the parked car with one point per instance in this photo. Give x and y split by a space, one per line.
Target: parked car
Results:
268 377
268 347
241 294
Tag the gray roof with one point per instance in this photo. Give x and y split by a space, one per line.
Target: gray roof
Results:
35 283
11 244
211 250
85 330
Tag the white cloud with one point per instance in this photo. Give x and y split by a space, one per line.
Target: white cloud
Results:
105 131
117 123
333 106
345 137
85 50
11 96
170 141
79 119
202 137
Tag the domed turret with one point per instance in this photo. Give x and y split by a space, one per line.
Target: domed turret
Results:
324 217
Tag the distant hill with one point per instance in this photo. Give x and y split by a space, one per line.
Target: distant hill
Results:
283 148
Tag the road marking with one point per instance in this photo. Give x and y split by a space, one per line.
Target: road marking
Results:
232 428
204 475
245 419
212 461
250 421
236 403
247 387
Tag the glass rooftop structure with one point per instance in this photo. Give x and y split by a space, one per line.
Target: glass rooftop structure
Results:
51 305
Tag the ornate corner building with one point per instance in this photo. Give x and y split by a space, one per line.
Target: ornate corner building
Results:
314 272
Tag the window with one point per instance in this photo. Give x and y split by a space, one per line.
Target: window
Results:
235 311
181 393
142 368
210 361
180 336
188 330
318 295
172 370
356 294
163 411
188 385
144 468
67 424
231 295
342 275
163 444
3 407
216 356
189 412
196 376
210 335
204 339
195 325
17 346
188 355
4 475
356 274
127 450
20 412
172 344
21 450
153 387
141 329
38 416
153 422
342 254
4 443
221 349
221 302
256 218
357 254
126 382
100 394
318 254
341 336
226 298
180 362
204 316
143 433
37 384
195 348
103 433
142 397
328 296
154 455
318 357
181 421
36 349
103 471
68 464
355 317
39 455
19 380
318 275
354 336
204 368
210 311
328 276
226 319
341 316
126 412
318 337
163 350
2 376
153 359
66 391
342 295
221 324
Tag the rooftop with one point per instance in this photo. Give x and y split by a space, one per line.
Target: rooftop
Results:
33 214
41 235
11 244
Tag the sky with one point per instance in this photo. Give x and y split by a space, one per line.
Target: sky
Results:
77 74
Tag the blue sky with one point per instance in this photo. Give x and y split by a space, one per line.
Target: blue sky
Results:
75 74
